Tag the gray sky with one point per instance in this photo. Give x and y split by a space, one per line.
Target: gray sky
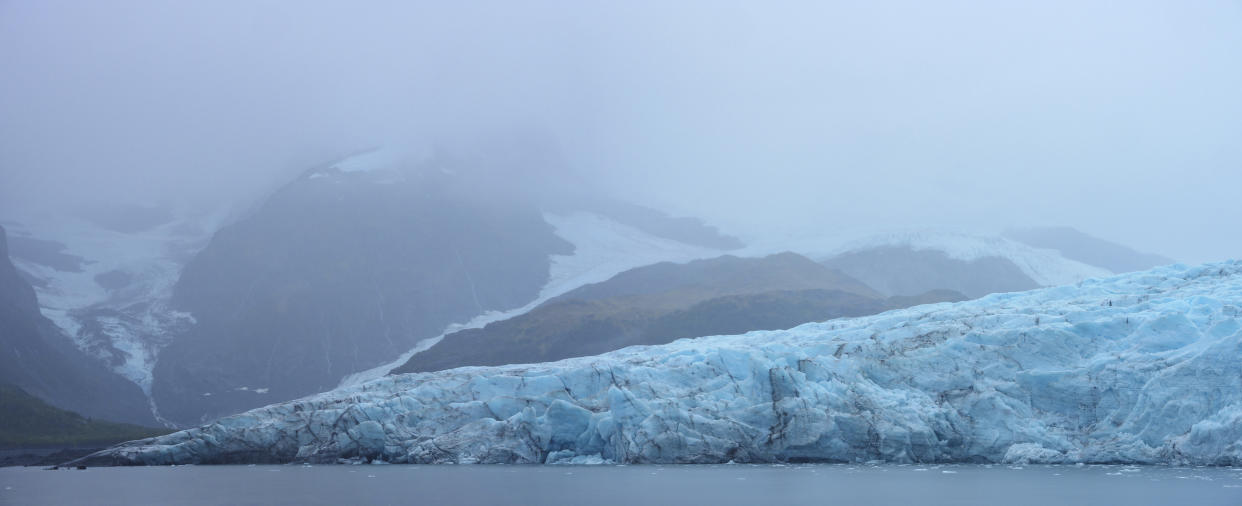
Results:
1121 118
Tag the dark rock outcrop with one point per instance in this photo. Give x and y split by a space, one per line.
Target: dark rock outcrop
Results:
339 273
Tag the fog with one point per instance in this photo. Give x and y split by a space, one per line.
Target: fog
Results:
1119 118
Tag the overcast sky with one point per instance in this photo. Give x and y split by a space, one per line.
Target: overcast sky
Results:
1123 119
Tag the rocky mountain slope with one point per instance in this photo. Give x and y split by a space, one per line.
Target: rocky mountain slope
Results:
1138 368
657 304
339 273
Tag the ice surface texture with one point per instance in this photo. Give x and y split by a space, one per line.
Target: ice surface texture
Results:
1141 368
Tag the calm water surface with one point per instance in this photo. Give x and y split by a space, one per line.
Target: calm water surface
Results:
546 485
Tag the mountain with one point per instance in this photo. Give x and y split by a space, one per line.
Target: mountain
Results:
337 273
40 359
350 266
657 304
917 262
1110 370
30 422
1087 249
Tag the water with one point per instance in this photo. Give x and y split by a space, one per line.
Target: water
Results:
628 485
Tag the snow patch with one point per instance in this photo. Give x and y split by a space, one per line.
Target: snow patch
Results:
383 158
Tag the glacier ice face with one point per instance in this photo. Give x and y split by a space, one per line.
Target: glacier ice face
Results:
1140 368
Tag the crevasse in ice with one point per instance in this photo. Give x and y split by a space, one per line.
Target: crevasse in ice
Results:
1140 368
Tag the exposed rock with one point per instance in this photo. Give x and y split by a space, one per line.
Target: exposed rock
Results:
335 275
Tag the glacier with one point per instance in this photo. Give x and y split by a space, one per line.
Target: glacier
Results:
1138 368
127 326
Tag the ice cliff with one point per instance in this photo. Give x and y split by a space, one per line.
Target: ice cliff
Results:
1139 368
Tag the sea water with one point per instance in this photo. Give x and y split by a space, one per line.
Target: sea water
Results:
625 485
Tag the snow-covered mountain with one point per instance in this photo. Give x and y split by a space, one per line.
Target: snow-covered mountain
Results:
340 274
1139 368
352 267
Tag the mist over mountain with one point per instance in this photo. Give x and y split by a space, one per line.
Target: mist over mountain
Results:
950 233
334 275
765 121
1079 246
354 262
374 262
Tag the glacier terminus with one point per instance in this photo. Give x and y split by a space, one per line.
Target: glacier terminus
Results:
1139 368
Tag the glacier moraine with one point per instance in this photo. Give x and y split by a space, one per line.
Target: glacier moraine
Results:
1138 368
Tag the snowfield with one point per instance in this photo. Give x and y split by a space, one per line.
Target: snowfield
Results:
1138 368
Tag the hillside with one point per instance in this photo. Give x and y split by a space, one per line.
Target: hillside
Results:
26 421
660 303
